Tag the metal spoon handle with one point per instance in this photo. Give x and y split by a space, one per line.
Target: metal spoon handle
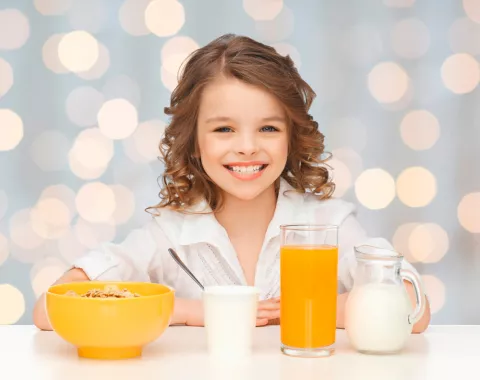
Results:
184 267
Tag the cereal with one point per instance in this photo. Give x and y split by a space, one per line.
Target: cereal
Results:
109 291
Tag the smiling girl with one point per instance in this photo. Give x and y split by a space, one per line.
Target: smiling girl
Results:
242 157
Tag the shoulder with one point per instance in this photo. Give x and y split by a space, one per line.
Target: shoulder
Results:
169 222
328 211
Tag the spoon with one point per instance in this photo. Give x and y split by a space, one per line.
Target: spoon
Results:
184 267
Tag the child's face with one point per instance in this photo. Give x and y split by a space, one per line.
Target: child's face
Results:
242 136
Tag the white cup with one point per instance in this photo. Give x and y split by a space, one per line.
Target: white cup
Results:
230 317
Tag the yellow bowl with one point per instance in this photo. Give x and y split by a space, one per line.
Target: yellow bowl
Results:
110 328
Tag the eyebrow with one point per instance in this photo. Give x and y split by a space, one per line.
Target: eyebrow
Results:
265 119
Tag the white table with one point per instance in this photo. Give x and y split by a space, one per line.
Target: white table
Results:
443 352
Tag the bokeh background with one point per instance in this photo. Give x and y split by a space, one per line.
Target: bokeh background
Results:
83 84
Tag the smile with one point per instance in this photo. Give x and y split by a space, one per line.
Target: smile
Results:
246 172
246 169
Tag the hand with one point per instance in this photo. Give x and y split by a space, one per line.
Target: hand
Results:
268 310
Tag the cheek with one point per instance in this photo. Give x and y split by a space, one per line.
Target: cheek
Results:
211 149
281 150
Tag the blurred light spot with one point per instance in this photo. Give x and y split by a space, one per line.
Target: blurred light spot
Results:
91 154
88 15
472 9
468 212
3 203
70 247
464 36
362 44
285 49
62 193
460 73
125 201
45 278
435 290
11 132
117 119
428 243
132 17
164 17
50 54
350 158
410 38
50 218
263 10
82 171
22 232
277 29
416 187
6 75
78 51
14 29
44 156
3 249
46 261
388 82
169 80
375 188
83 104
399 3
143 145
11 296
52 7
420 130
404 102
95 202
175 51
122 87
401 240
349 132
100 67
92 235
341 177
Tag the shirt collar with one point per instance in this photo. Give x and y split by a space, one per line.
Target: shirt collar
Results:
205 228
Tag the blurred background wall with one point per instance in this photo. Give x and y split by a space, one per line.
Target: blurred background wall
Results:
83 84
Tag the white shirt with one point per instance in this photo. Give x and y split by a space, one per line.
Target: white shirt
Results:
203 245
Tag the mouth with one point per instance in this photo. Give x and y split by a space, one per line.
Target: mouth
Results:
246 169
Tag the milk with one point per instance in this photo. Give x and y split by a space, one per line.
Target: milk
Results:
230 318
376 317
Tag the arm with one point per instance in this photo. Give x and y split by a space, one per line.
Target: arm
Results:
40 318
419 327
135 259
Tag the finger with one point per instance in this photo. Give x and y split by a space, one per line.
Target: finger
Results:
262 322
269 306
271 300
268 314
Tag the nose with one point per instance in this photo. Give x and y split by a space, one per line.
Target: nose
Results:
247 144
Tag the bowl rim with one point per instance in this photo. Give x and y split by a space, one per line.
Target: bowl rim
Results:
170 290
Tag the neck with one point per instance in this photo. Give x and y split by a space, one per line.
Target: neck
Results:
238 215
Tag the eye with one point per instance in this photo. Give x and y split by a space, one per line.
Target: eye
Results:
223 129
269 128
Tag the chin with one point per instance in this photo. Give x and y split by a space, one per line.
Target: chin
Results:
246 191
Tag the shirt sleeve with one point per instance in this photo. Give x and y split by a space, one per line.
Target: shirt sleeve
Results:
137 258
352 234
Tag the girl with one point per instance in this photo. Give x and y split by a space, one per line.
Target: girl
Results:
242 156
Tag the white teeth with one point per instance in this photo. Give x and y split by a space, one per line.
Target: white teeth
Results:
246 169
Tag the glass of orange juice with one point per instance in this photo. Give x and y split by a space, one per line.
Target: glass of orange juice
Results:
308 289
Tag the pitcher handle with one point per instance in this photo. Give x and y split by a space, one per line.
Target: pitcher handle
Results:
419 295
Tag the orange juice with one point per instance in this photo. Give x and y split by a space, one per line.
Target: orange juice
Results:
308 275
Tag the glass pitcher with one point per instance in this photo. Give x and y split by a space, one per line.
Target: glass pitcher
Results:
378 313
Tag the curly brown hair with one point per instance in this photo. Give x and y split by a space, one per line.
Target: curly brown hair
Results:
185 183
